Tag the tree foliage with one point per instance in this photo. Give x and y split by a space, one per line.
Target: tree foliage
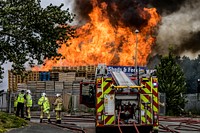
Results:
29 32
172 82
191 70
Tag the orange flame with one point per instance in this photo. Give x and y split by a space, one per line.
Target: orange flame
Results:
100 42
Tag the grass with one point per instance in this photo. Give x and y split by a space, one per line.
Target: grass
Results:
8 121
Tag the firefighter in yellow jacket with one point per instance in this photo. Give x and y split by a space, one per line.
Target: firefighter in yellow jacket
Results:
20 103
58 108
28 104
15 104
43 102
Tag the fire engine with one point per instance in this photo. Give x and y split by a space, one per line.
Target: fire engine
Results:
121 105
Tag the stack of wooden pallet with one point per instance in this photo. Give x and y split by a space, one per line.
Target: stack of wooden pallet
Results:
71 76
31 85
63 76
40 86
21 86
59 86
67 87
13 79
91 68
82 68
50 86
32 76
54 76
76 88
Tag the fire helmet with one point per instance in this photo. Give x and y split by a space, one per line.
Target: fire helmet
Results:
43 94
57 95
28 91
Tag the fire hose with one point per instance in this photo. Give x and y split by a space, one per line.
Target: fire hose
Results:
190 124
136 127
118 123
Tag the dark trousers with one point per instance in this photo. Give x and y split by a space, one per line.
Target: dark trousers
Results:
20 107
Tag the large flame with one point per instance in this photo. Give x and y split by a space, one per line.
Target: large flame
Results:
100 42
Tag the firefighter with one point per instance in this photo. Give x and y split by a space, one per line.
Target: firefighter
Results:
58 108
28 104
43 102
15 104
20 103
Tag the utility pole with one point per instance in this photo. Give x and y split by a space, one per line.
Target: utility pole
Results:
136 69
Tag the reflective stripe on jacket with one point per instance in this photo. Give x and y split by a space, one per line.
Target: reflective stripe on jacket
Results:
20 98
41 101
58 104
28 100
46 104
15 103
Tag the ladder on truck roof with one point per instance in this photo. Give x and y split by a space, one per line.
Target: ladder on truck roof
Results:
122 80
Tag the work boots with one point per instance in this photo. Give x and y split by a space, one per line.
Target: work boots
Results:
58 121
28 119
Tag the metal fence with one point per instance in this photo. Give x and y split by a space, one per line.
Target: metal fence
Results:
3 101
162 99
193 102
71 100
69 91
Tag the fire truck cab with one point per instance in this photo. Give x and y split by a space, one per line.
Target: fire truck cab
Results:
121 105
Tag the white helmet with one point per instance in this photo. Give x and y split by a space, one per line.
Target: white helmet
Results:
43 94
57 95
28 91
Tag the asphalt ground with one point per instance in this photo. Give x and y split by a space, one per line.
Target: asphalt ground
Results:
34 127
180 125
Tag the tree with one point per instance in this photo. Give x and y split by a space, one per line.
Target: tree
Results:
191 71
30 33
172 82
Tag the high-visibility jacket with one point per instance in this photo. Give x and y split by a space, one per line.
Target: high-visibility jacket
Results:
41 101
20 98
15 102
46 104
58 104
29 101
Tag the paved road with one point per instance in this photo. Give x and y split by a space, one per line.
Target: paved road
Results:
39 128
182 127
36 127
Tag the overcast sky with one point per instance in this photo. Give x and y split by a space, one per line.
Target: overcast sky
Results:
44 3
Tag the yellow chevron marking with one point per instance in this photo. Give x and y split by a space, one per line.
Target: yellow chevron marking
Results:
143 119
111 120
142 116
155 99
102 84
149 84
145 89
144 99
101 107
109 88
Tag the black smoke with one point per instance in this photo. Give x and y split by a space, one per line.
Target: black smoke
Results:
180 28
129 12
193 44
167 6
82 8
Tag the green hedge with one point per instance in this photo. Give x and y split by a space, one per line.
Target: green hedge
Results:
8 121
